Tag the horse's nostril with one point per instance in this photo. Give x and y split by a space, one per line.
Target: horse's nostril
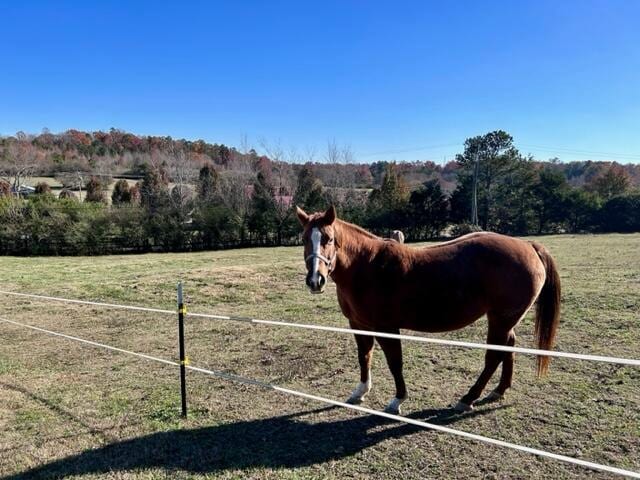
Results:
321 280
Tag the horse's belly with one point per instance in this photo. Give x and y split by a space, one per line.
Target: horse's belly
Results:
435 325
444 318
420 312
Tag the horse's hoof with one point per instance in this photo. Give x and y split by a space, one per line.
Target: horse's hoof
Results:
462 407
494 396
393 410
394 406
355 400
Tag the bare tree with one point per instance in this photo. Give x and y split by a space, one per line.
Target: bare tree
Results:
282 178
245 145
293 155
348 174
235 190
178 166
310 153
347 154
339 158
18 163
332 157
242 159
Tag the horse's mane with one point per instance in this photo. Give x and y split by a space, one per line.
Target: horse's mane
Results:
463 238
357 230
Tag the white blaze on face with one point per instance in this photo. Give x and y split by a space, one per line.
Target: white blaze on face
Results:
316 237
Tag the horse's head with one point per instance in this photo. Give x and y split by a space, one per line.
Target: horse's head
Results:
320 249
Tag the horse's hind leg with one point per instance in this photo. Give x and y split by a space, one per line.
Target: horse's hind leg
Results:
392 349
365 353
506 376
496 336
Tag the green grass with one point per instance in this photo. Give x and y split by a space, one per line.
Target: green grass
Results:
72 410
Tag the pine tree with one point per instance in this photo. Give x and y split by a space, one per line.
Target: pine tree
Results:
387 205
550 193
262 220
208 180
428 210
42 188
95 191
309 193
394 191
154 188
497 159
121 193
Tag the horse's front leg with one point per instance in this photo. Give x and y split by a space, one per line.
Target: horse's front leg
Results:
392 349
365 353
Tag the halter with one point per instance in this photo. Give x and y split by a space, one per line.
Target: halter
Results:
330 263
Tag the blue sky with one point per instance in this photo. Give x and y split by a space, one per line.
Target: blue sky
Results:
395 80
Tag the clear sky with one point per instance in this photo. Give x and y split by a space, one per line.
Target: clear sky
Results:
395 80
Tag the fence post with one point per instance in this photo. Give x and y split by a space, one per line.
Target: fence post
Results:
183 358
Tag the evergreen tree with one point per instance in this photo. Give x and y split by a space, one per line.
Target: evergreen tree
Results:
394 191
208 180
309 193
496 156
621 214
514 199
154 188
550 193
427 211
262 220
95 191
121 192
42 188
581 208
460 200
386 208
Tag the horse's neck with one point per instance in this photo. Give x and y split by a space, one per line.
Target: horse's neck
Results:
355 245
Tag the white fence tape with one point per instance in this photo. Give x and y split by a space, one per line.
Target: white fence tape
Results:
413 338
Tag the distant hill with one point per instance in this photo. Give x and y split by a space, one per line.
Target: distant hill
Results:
122 153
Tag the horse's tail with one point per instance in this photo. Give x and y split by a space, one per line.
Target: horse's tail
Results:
547 309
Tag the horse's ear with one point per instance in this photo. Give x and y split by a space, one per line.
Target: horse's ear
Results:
330 215
303 217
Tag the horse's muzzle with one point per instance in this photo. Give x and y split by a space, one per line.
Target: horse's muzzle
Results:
317 284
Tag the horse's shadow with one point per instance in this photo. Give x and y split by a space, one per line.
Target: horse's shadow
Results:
280 442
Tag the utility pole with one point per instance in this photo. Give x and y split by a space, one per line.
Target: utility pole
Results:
474 197
79 186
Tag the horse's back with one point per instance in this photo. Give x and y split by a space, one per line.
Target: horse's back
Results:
450 285
498 262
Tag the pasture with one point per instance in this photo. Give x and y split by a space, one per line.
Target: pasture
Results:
72 410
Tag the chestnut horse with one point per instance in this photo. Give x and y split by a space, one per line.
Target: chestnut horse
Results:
384 286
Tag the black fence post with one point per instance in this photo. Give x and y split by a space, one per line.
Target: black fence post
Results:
183 358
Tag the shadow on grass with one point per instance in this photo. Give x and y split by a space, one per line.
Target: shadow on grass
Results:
60 412
286 441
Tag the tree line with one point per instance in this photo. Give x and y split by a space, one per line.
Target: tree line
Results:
176 208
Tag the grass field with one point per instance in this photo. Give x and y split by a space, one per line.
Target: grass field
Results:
69 410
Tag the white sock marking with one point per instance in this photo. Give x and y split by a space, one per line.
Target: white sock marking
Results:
362 389
394 405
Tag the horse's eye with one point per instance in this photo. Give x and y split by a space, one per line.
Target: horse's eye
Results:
330 241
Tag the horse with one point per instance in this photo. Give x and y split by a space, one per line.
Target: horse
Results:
384 286
398 236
